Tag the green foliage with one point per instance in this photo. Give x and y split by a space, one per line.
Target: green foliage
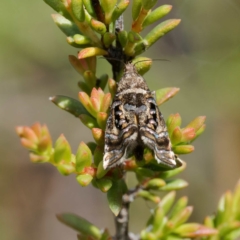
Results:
114 195
91 27
80 224
168 221
227 218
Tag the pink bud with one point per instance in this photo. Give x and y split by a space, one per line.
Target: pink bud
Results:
197 123
188 134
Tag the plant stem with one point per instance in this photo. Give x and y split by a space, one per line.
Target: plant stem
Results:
121 223
122 220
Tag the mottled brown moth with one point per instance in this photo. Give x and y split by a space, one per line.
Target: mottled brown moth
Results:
135 122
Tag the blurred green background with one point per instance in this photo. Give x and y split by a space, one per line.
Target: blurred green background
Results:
204 54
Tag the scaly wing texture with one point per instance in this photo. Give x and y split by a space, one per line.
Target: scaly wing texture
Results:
135 122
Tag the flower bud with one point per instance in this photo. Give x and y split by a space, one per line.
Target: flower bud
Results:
188 134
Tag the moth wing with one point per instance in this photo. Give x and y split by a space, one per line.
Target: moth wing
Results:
154 134
118 137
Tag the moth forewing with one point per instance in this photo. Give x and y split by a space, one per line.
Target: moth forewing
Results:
118 136
135 122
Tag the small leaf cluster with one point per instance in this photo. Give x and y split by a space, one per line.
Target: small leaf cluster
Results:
227 218
37 140
168 221
182 137
91 25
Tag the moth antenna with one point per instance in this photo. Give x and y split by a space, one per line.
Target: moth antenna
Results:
161 59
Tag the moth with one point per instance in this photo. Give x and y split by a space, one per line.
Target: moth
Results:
135 122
